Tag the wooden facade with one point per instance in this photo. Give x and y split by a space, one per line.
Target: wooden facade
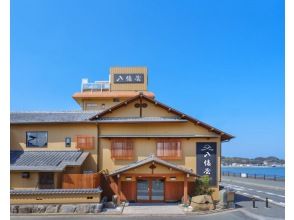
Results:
80 181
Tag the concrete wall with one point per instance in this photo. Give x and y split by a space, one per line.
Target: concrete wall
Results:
108 102
17 182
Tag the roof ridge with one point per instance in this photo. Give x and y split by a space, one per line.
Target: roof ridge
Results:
62 111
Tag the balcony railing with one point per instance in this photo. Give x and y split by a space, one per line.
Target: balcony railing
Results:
95 86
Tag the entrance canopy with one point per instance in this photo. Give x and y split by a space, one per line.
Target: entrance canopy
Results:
152 159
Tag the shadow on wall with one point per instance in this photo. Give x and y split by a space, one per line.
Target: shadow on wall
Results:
90 164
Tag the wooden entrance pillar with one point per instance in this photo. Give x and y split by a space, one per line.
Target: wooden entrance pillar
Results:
186 188
118 188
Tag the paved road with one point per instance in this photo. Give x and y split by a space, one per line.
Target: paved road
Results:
259 190
231 215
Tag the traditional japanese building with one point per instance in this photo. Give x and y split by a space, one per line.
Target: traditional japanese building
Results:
123 142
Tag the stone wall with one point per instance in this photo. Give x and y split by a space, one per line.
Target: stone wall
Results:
50 208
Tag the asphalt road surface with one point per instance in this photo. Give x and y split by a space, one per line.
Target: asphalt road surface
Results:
258 189
230 215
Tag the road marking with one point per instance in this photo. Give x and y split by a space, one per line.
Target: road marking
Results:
273 194
270 200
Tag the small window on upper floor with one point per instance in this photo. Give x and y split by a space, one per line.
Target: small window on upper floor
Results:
116 100
36 138
85 142
122 149
68 142
169 149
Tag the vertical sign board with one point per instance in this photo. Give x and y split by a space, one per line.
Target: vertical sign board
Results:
207 161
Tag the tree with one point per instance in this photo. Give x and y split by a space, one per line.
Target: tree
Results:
202 186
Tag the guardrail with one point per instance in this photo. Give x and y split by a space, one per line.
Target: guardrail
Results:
254 176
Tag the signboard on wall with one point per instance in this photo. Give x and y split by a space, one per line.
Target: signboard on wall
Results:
128 78
207 161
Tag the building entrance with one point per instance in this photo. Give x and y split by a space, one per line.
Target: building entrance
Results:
150 190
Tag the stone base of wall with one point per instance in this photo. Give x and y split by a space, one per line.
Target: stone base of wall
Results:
63 209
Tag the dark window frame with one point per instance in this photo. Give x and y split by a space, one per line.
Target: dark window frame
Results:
46 145
66 143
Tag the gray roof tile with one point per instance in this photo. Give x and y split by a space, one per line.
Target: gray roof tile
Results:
45 160
140 119
53 191
53 117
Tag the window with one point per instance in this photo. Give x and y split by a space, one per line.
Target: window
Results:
169 149
122 149
37 138
85 142
46 180
67 142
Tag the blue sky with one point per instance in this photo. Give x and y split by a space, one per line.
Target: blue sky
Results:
219 61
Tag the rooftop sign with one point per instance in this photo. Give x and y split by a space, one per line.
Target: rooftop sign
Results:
128 78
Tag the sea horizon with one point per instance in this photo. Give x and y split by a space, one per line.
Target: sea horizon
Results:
258 170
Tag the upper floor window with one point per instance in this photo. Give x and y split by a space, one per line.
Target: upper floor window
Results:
36 138
169 149
85 142
67 142
122 149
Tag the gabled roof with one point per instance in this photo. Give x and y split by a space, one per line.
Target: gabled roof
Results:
79 96
224 135
45 160
140 119
51 117
150 159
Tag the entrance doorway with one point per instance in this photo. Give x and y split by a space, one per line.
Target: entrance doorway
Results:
150 190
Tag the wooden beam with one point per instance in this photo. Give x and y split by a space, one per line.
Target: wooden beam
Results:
118 189
140 106
185 190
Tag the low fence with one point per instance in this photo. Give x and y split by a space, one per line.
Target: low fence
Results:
254 176
80 181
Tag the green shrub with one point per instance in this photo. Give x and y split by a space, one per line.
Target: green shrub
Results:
202 186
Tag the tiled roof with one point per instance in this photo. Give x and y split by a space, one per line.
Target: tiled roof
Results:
45 160
149 159
53 191
224 136
139 119
110 94
52 117
157 136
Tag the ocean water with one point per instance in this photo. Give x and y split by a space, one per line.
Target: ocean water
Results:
278 171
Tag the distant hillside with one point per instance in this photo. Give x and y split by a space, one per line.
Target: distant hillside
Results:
255 161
